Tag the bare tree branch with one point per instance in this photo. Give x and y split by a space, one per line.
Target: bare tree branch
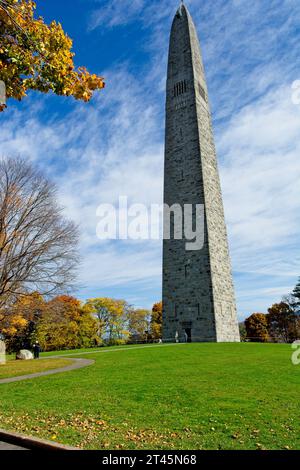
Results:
38 246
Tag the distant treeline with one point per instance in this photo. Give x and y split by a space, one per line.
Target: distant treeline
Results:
280 325
67 323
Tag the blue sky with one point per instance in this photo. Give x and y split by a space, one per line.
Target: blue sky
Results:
114 145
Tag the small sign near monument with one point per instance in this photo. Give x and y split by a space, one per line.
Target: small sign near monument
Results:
2 352
2 93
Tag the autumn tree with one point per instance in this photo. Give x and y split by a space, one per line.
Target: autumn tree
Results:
37 56
61 323
139 325
100 308
38 246
18 320
113 318
156 321
66 324
282 323
257 328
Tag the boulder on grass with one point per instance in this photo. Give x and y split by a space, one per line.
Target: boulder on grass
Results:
24 355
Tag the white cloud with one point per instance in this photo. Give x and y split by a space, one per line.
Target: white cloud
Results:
260 174
261 170
96 153
116 13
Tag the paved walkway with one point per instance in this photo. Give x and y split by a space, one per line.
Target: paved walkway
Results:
120 349
76 364
5 446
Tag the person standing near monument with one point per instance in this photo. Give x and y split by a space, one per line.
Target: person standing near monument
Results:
36 350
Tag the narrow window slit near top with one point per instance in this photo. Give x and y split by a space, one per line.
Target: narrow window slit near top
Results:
180 88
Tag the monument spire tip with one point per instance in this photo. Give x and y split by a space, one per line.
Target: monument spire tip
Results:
179 11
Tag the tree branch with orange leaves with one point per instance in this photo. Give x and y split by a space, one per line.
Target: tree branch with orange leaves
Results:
37 56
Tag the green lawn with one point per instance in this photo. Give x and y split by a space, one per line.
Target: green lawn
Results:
15 368
188 396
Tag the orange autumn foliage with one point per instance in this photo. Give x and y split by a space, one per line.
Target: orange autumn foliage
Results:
37 56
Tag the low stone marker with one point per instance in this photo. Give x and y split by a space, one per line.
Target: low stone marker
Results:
24 355
2 93
2 352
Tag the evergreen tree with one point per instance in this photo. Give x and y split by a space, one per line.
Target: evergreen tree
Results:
296 296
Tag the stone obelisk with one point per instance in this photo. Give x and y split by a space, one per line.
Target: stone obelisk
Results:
198 294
